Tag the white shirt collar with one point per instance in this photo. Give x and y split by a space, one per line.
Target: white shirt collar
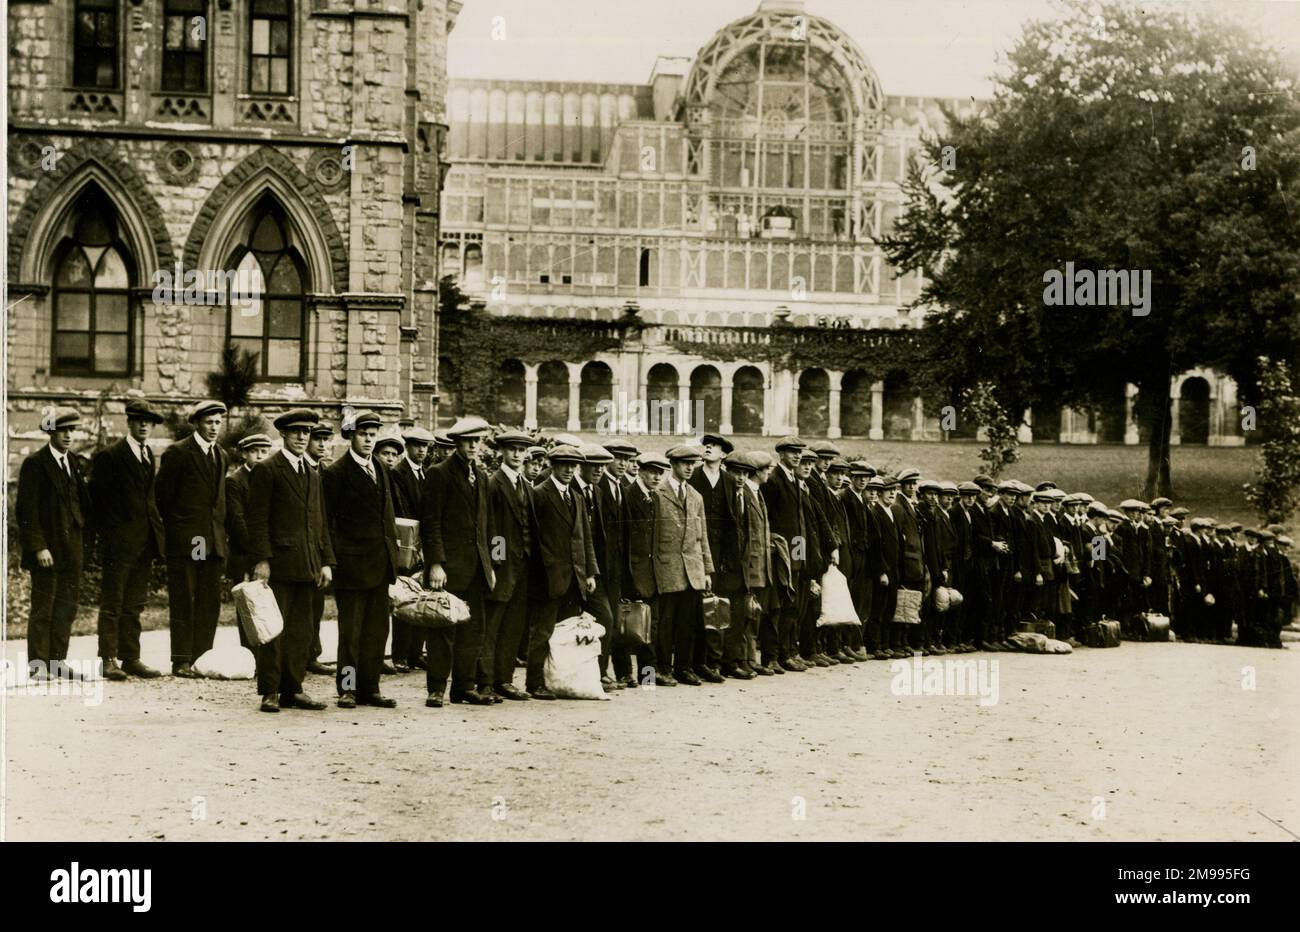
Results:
309 461
417 467
361 460
294 461
135 447
579 482
58 457
641 485
673 483
559 485
751 482
789 473
204 445
510 473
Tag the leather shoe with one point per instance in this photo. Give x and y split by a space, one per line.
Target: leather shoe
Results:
844 656
420 663
347 701
185 671
824 660
860 654
387 668
270 703
378 701
434 701
665 679
629 681
112 671
765 670
141 669
541 692
776 668
320 669
510 691
302 701
689 678
709 676
401 666
881 655
792 666
472 697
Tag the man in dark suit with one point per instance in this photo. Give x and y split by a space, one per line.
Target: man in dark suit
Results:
363 534
891 638
52 506
638 568
913 554
318 447
191 494
721 493
454 533
291 543
408 485
785 512
864 553
510 520
130 538
254 449
566 559
605 520
754 544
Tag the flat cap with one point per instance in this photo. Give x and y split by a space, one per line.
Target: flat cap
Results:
534 453
652 460
1275 528
808 456
204 408
1044 486
254 440
512 438
1043 496
876 482
440 439
323 429
390 440
359 420
1236 527
740 462
418 435
1161 502
140 411
927 485
1179 512
718 440
1114 515
969 488
886 482
568 440
63 417
1008 485
790 443
984 482
468 427
1284 540
861 468
948 488
685 451
565 453
762 459
838 464
1054 494
621 448
1098 509
1252 533
1023 488
908 474
1132 504
297 418
824 448
595 453
1084 497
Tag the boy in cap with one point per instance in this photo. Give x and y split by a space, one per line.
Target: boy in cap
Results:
130 538
639 573
253 449
891 637
755 554
408 485
603 493
454 532
191 495
683 569
290 543
318 446
511 519
358 497
52 507
784 496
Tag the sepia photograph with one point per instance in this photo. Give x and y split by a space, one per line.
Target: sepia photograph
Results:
454 420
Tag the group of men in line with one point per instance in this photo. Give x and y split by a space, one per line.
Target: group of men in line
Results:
549 533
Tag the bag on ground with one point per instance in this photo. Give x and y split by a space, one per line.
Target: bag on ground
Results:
1104 633
637 630
257 610
908 609
572 669
1152 626
837 601
1033 643
425 608
228 662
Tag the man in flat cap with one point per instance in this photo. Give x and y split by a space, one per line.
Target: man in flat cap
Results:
720 492
408 486
605 518
683 569
358 496
455 534
913 567
566 558
253 449
191 495
511 520
639 572
130 538
754 543
318 446
785 510
52 509
289 542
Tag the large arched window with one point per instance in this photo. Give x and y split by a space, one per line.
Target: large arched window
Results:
93 275
271 321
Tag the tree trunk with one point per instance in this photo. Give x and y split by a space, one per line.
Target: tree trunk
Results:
1159 408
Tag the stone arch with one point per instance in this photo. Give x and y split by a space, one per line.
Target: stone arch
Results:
553 395
661 397
814 403
747 400
35 231
855 403
1194 398
596 385
511 393
706 398
268 170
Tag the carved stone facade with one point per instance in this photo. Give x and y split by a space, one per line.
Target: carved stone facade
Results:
305 132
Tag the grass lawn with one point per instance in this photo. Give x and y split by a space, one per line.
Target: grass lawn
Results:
1207 480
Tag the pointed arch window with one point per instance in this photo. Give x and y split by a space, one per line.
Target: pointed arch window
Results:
93 310
270 319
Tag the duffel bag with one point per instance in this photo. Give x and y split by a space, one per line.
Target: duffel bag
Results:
1152 626
258 612
572 668
425 608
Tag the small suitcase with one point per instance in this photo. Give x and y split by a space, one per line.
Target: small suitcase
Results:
1152 626
1104 633
1038 627
634 619
907 610
408 545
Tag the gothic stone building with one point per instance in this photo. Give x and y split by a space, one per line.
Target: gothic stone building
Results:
712 234
296 143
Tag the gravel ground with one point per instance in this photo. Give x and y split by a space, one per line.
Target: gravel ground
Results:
1146 742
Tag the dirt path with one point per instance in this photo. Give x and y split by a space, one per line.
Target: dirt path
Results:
1164 734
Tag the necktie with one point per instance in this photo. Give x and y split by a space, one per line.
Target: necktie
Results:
564 494
216 461
470 467
681 493
587 493
67 467
370 471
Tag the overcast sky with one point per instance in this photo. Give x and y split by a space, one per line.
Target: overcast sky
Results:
942 48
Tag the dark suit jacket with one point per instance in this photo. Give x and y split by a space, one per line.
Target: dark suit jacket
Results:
891 544
565 551
191 499
607 534
510 523
285 518
51 511
126 513
913 556
239 562
785 514
720 525
362 528
454 522
406 489
639 537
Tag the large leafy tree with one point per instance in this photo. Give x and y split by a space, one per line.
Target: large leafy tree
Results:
1158 138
